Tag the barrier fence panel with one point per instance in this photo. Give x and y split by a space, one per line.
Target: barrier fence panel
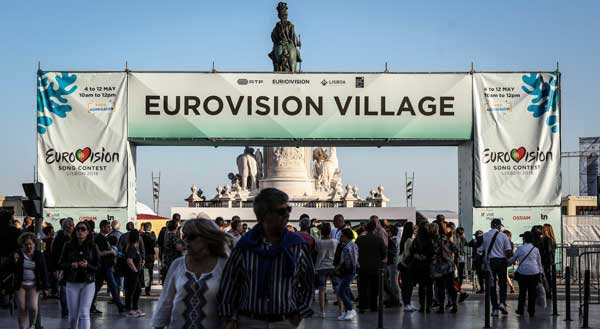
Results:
588 265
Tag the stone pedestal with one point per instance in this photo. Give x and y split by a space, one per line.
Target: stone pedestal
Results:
289 169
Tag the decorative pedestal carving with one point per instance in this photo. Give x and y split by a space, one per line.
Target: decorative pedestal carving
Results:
288 169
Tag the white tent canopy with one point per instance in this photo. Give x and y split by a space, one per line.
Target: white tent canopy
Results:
141 208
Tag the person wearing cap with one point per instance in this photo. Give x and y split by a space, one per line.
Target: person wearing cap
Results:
528 273
440 219
496 250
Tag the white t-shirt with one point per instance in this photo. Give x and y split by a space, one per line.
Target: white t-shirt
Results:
325 252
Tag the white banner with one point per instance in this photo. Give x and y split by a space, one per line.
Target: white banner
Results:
53 215
82 139
517 140
303 105
518 220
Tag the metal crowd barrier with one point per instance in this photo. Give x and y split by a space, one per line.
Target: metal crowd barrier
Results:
588 263
568 256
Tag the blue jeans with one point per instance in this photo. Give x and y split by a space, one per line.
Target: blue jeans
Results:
107 274
343 290
79 301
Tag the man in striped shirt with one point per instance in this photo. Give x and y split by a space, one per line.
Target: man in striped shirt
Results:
268 278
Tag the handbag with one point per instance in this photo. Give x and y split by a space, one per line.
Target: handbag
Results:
540 299
517 275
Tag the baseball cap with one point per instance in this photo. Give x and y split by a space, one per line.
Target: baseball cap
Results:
527 235
497 222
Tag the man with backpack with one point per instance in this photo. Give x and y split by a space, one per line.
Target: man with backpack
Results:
477 259
149 239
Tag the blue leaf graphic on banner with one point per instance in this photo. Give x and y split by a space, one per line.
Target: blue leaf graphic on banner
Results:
51 100
546 97
43 120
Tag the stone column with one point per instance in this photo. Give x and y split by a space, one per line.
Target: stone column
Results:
288 169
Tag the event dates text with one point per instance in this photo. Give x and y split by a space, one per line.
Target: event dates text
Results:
98 91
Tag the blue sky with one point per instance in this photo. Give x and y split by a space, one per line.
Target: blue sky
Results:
336 36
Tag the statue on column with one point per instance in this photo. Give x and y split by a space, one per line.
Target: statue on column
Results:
248 169
259 161
286 53
326 169
286 168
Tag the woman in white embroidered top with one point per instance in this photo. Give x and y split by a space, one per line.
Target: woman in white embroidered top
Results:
528 273
189 295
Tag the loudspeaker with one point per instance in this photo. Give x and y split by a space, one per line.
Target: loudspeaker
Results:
34 207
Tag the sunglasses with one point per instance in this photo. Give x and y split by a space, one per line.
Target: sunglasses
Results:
81 229
283 211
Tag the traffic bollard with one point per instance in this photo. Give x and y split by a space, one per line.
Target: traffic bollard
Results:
488 280
586 299
554 295
568 293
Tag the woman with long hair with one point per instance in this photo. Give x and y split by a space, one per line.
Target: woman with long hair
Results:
548 246
422 251
190 289
405 264
442 267
31 277
133 275
79 261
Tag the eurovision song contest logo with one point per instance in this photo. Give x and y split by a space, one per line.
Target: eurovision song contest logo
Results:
83 161
517 161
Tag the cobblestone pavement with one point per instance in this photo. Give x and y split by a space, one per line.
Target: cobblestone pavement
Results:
470 315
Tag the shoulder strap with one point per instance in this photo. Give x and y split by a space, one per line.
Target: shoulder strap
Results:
523 260
487 255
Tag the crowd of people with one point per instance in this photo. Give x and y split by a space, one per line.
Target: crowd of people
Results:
227 275
72 265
